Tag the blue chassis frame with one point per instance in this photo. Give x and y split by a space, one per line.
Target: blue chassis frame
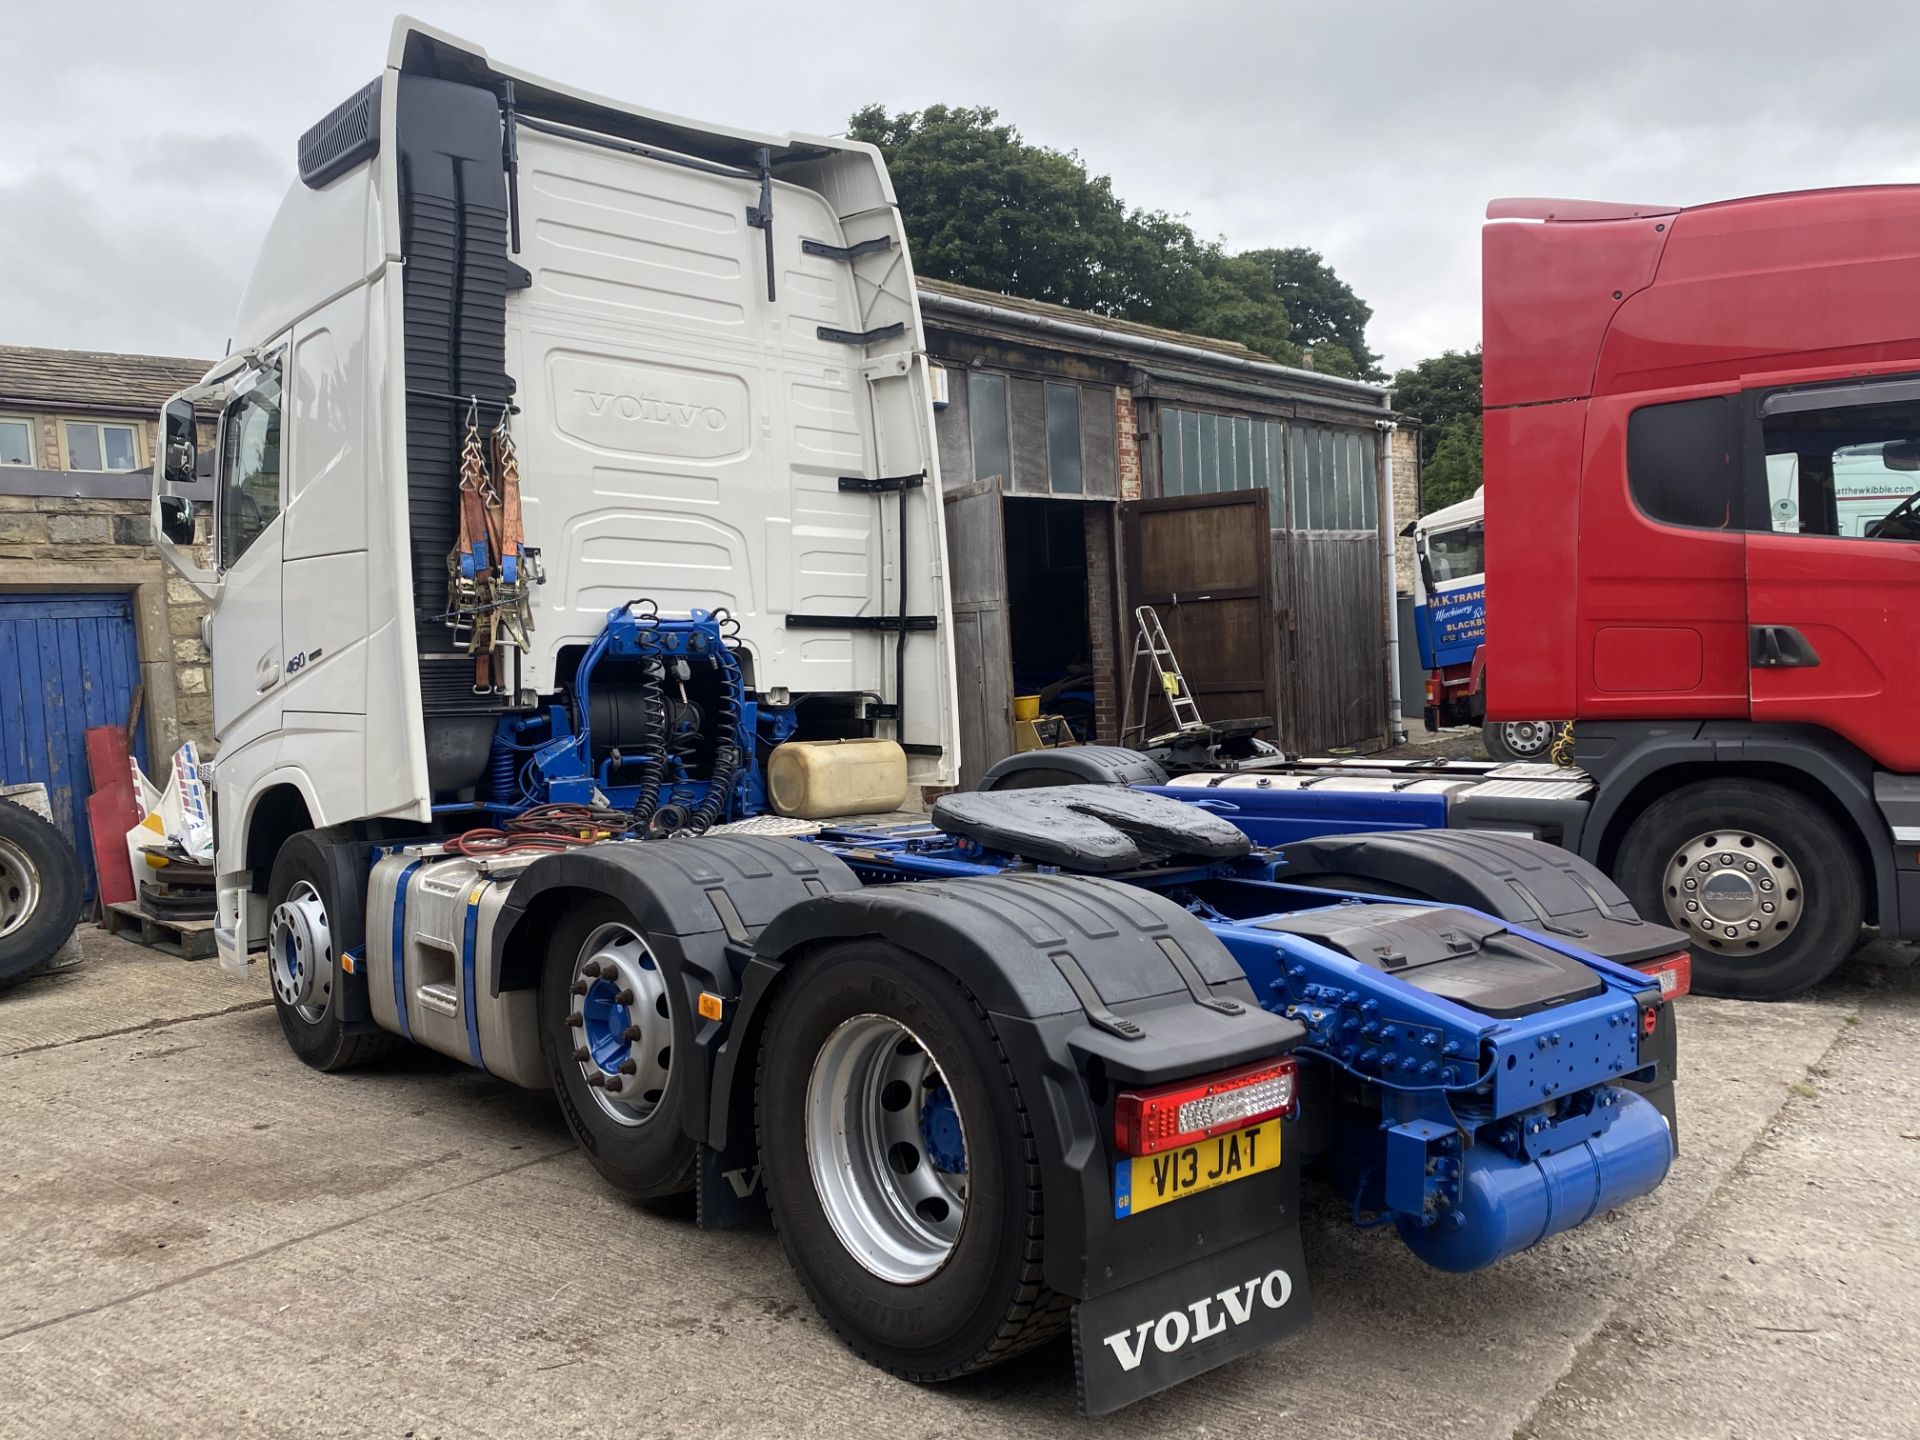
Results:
1459 1099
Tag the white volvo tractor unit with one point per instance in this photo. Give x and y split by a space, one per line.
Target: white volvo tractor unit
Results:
700 352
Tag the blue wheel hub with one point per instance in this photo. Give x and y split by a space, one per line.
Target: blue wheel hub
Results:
940 1132
607 1024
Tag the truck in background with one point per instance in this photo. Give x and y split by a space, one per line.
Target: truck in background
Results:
1450 628
1702 436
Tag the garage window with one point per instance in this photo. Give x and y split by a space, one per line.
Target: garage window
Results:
1203 454
1334 478
16 440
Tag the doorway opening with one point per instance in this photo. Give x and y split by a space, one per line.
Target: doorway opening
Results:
1049 632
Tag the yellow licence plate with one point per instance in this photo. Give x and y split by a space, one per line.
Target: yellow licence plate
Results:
1140 1183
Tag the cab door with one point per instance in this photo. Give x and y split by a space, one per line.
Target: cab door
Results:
243 628
1833 572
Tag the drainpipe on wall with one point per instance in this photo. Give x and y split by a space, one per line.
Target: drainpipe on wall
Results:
1389 532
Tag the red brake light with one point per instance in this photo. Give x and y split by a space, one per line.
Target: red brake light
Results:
1674 972
1146 1122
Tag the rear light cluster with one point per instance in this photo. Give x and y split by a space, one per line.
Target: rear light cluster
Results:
1674 972
1145 1122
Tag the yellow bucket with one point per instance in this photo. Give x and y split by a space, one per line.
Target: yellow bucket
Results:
1026 707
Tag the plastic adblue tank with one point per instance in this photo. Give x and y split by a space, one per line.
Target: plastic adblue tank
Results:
821 779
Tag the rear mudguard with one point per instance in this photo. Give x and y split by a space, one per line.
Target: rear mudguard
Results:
699 902
1093 987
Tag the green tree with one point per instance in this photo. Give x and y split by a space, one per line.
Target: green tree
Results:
1443 393
1453 474
987 208
1328 318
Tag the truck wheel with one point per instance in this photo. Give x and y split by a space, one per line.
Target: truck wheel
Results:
1517 739
1763 881
314 918
610 1025
900 1165
41 888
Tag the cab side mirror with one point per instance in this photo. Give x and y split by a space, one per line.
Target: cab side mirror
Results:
182 450
176 519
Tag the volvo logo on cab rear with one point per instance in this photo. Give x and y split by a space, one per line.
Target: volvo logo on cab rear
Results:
1205 1318
630 408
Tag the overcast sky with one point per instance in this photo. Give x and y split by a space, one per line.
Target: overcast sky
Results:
146 145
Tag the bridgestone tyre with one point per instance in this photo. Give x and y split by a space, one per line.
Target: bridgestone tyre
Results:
986 1301
325 1043
645 1160
1831 898
41 890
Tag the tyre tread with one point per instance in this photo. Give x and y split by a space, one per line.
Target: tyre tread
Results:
1036 1314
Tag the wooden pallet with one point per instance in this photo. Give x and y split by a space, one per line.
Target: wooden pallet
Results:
184 939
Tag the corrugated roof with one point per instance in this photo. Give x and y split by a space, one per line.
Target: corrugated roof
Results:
1084 317
93 379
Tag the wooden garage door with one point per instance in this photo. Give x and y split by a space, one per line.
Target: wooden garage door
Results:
1205 564
66 662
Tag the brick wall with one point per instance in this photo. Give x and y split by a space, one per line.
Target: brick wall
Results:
1406 501
1101 610
1126 443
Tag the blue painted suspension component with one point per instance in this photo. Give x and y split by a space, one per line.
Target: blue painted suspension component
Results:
552 756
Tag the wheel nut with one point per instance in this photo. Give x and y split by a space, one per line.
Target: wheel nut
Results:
592 967
576 1021
1692 884
625 997
1753 924
1731 932
1751 867
1767 905
1703 867
578 987
629 1067
1693 904
631 1034
1726 859
582 1054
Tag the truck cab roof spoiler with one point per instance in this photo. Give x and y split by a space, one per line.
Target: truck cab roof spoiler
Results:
1526 208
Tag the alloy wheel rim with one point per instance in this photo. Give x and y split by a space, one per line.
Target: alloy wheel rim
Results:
1734 891
19 887
886 1145
300 953
621 1020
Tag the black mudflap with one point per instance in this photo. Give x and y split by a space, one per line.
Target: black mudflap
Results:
1168 1328
728 1189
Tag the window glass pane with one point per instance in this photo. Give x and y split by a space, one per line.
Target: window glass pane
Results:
1190 450
16 443
1172 482
249 468
1679 470
119 444
83 447
987 420
1274 451
1243 472
1063 439
1850 471
1457 554
1209 428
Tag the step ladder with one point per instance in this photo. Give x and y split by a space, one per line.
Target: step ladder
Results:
1155 669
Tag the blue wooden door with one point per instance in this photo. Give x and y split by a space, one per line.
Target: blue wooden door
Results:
67 662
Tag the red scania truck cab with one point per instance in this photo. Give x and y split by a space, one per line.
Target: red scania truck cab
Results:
1702 449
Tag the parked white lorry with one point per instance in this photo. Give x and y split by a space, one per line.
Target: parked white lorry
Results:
574 460
699 332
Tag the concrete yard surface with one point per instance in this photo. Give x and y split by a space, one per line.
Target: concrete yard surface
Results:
199 1236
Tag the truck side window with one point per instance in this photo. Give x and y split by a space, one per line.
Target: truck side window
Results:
1849 470
1680 469
249 467
1456 554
